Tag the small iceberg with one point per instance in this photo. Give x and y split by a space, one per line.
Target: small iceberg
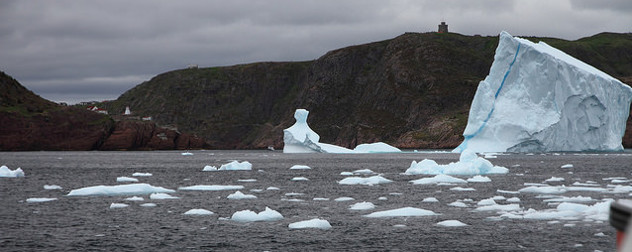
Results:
198 211
401 212
374 180
211 188
126 179
361 206
250 216
469 164
236 166
438 179
129 189
52 187
451 223
209 168
187 154
5 172
313 223
162 196
38 200
141 174
118 205
240 196
300 167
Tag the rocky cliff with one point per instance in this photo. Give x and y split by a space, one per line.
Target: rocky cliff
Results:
29 122
413 91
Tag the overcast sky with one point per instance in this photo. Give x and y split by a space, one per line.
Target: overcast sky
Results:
79 50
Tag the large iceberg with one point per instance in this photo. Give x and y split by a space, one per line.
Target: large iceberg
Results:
539 99
300 138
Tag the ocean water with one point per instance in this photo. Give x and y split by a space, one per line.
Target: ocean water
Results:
88 223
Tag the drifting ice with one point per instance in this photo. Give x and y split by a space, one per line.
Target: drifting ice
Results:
300 138
539 99
5 172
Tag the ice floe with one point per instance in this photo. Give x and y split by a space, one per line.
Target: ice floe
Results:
135 198
469 164
441 178
198 211
401 212
126 179
209 168
313 223
5 172
430 200
129 189
52 187
360 206
118 205
148 204
251 216
162 196
451 223
38 200
300 167
479 179
344 199
141 174
236 166
240 196
300 179
373 180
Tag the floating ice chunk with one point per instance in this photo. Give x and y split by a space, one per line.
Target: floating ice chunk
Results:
250 216
401 212
360 206
566 210
141 174
345 173
126 179
373 180
236 166
187 154
564 104
161 196
458 204
566 166
129 189
469 164
363 172
554 179
543 189
507 192
513 200
299 179
378 147
290 194
118 205
570 199
198 211
148 204
52 187
209 168
38 200
313 223
5 172
438 179
211 188
135 198
462 189
430 200
479 179
320 199
499 207
344 199
451 223
486 202
239 196
272 188
247 180
300 167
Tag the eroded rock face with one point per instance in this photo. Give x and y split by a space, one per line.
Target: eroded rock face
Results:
137 135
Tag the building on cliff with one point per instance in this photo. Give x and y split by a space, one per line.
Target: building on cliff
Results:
443 27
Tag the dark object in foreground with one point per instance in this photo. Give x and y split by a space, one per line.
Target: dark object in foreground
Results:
619 217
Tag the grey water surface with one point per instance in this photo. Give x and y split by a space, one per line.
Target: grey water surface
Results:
88 223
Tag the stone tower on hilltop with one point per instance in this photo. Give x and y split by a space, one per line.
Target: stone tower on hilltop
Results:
443 27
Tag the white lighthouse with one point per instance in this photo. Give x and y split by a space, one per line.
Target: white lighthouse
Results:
127 111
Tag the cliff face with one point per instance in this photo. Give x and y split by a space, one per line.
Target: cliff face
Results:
413 91
32 123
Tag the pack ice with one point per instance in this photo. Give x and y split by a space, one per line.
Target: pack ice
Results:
539 99
300 138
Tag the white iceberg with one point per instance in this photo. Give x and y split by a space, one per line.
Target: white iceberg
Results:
141 174
126 179
135 198
198 211
118 205
209 168
38 200
236 166
52 187
300 167
211 187
469 164
250 216
161 196
129 189
438 179
5 172
300 138
299 179
361 206
401 212
451 223
339 199
539 99
313 223
373 180
239 196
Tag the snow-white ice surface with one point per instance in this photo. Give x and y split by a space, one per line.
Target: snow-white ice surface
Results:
141 174
118 205
373 180
211 187
52 187
360 206
300 138
469 164
539 99
198 211
438 179
126 179
401 212
162 196
209 168
37 200
451 223
250 216
239 196
313 223
5 172
129 189
300 167
236 166
135 198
